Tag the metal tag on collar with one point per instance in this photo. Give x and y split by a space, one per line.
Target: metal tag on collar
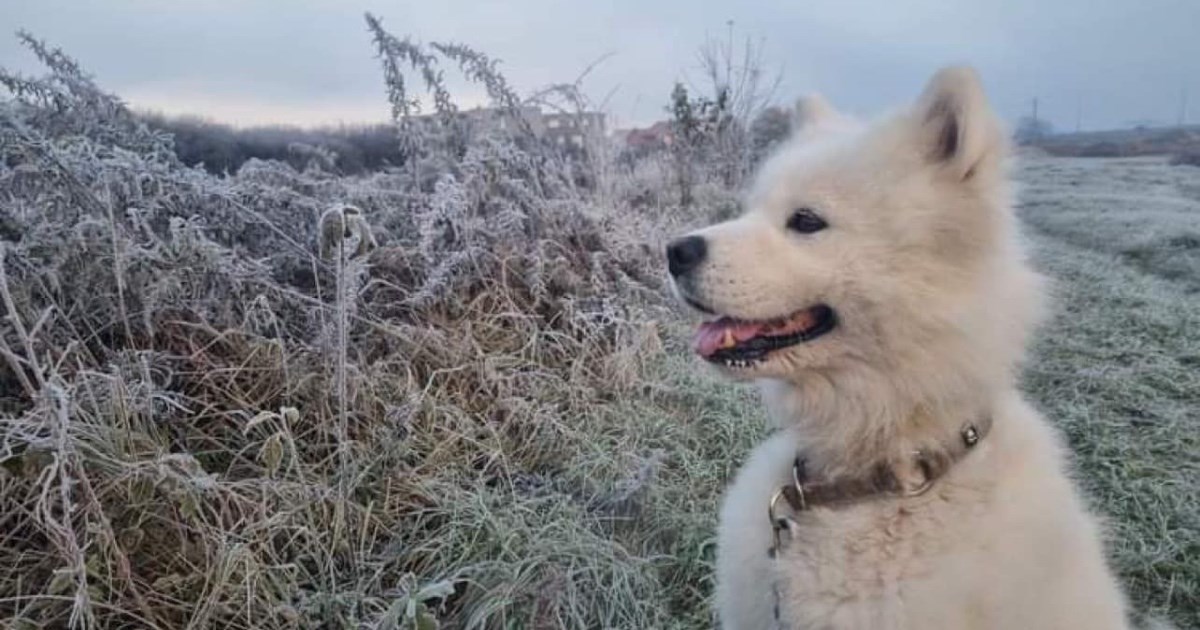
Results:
793 494
926 472
778 523
800 502
970 435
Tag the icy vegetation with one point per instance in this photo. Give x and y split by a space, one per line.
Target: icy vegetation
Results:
285 398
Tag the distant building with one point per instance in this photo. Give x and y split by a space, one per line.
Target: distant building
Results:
656 137
486 119
571 130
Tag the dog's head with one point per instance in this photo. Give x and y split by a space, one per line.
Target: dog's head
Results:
864 245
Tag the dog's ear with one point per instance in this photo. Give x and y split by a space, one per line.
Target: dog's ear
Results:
813 115
957 127
811 110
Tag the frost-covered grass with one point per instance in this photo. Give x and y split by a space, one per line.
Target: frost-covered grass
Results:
220 413
1117 368
281 398
1140 209
489 419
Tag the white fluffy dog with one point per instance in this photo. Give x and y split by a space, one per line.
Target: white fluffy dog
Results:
876 291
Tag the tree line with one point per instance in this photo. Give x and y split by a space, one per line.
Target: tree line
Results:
222 148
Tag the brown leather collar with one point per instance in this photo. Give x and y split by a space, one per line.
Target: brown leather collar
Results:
803 494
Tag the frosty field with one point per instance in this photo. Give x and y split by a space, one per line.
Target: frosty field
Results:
1117 368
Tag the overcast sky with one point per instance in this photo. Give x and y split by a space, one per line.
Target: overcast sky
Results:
311 61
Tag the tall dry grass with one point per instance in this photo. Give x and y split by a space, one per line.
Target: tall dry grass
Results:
289 399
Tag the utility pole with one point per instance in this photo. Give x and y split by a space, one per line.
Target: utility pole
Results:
1037 128
729 55
1078 113
1183 106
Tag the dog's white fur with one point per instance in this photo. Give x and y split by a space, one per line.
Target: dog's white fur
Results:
923 265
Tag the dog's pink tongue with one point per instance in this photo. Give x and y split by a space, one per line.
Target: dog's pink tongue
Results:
723 333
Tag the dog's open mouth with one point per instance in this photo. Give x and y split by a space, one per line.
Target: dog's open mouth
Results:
741 344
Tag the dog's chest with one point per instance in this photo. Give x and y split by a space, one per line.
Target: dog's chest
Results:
881 562
831 565
874 565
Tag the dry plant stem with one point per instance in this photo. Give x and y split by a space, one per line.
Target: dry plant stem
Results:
118 270
60 528
343 446
34 599
26 341
124 571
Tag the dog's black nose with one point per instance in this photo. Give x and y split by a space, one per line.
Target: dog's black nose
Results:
685 254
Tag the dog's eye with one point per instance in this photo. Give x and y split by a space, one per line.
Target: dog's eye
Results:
805 221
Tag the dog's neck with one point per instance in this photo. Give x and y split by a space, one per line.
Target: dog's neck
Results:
847 425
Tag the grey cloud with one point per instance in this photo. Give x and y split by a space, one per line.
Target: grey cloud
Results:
311 60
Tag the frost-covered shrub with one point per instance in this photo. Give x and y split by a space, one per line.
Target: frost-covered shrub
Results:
211 424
